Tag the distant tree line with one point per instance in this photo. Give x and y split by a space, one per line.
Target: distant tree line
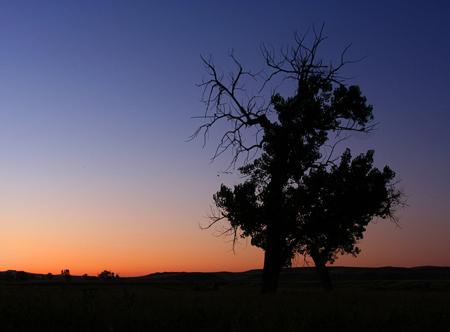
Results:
65 275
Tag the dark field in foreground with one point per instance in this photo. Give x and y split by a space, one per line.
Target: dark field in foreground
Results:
364 300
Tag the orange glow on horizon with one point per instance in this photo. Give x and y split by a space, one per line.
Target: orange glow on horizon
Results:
45 237
141 255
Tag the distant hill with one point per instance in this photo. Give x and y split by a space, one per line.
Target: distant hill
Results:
288 275
306 274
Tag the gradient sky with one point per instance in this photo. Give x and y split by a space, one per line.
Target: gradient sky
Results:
96 100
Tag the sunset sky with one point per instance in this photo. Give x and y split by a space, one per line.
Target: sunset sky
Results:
96 105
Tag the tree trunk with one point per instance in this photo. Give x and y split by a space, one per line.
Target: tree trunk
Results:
271 270
323 273
273 261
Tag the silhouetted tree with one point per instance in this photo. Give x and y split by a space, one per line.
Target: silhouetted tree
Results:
106 275
334 205
65 273
286 136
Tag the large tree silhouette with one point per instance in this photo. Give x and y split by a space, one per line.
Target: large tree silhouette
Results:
286 136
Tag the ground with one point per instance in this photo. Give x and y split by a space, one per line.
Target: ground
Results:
362 301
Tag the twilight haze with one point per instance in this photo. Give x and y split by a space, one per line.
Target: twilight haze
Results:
96 105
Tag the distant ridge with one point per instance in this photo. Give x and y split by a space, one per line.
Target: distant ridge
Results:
288 275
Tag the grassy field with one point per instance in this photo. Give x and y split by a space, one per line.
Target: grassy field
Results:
361 305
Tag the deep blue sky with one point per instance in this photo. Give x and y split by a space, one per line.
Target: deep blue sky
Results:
96 100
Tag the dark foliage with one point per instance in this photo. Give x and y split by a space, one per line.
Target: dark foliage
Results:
336 205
